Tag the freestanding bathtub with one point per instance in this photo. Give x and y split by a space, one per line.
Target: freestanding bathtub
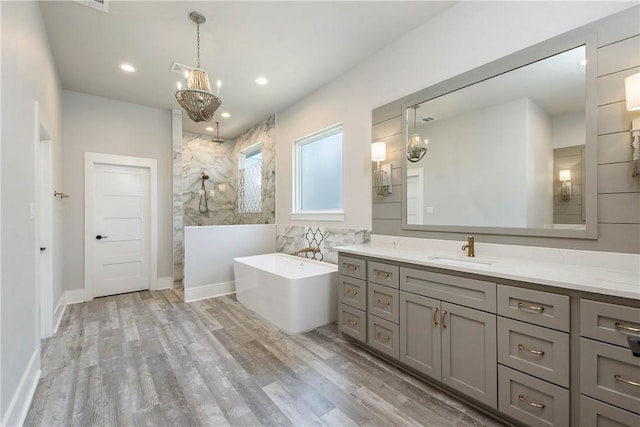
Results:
293 293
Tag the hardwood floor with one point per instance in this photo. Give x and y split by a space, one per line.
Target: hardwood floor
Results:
148 359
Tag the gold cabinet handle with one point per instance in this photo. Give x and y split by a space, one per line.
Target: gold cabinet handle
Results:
523 306
525 348
435 317
382 274
383 302
625 327
352 322
521 398
444 313
383 337
622 380
352 292
350 267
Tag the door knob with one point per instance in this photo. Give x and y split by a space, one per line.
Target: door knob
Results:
100 237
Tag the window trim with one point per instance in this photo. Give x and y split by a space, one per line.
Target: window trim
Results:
297 213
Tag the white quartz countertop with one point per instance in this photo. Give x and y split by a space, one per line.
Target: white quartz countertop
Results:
620 283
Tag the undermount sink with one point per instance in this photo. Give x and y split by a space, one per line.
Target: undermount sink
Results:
459 261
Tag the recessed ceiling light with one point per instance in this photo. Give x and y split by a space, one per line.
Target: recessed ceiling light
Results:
262 81
209 128
225 115
128 68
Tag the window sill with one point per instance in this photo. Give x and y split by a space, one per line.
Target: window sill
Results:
317 216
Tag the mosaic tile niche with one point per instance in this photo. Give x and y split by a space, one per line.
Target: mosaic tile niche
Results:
290 238
197 154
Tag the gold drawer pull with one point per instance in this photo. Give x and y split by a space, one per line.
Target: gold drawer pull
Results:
383 302
350 267
444 313
521 398
622 380
352 292
522 306
352 322
382 274
435 317
628 328
384 337
525 348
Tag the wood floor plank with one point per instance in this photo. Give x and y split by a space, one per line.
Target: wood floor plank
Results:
147 358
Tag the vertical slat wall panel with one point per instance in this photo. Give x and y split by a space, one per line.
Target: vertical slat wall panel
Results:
618 193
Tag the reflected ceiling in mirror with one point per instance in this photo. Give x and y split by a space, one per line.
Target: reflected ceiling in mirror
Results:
496 149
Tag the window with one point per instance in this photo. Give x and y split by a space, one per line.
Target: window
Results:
318 176
250 180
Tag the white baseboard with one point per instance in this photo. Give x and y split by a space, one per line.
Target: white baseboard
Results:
162 283
209 291
77 295
59 312
21 400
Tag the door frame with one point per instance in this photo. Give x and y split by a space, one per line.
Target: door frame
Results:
90 161
43 212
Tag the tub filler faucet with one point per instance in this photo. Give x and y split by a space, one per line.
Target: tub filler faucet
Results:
305 250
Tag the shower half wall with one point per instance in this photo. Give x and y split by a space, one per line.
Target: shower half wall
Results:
221 162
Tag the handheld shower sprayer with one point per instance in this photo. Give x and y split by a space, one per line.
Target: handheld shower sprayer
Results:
203 207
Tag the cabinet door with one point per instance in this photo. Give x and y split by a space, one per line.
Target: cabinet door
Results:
420 344
469 358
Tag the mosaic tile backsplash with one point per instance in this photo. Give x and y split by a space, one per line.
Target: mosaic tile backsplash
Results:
291 238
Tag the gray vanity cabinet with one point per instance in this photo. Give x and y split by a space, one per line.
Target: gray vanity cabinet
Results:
446 341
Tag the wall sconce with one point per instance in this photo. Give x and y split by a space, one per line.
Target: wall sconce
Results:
632 91
381 175
565 187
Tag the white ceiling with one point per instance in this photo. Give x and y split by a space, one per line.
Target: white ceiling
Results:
298 46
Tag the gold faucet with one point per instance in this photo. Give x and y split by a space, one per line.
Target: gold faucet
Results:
469 247
305 250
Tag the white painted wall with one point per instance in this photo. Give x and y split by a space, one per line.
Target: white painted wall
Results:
568 130
28 75
100 125
209 253
538 167
464 37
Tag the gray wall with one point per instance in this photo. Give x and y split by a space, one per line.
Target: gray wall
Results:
28 75
618 56
100 125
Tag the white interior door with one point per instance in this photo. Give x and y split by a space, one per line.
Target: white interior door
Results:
44 228
121 229
415 196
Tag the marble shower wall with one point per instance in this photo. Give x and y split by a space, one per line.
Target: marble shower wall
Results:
198 153
290 238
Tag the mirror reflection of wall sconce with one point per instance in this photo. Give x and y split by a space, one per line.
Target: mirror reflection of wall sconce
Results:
382 174
565 187
416 147
632 92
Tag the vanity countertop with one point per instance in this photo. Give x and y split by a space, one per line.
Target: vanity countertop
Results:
620 283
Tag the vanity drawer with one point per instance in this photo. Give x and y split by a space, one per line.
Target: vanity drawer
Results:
353 292
383 336
538 351
594 413
352 322
383 274
610 323
384 302
352 267
458 290
610 373
532 401
537 307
